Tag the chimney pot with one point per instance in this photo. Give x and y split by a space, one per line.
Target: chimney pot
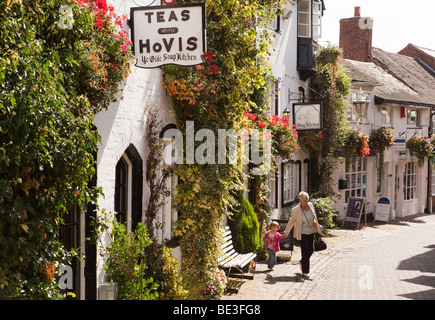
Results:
357 11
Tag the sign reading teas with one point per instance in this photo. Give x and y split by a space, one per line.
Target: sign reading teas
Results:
170 34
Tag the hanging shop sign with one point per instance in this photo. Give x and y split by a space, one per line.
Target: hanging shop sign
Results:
168 34
307 116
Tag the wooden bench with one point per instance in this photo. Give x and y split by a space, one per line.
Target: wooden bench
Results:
230 259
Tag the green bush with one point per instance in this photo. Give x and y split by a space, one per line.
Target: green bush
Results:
126 264
245 229
142 270
163 267
324 212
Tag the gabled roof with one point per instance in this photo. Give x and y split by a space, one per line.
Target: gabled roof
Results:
424 56
387 87
428 51
408 71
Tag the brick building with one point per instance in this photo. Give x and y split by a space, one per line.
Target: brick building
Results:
401 90
424 56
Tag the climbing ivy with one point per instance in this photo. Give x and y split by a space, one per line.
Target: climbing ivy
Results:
331 85
215 96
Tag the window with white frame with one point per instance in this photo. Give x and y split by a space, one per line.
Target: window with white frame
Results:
412 117
410 181
304 18
357 178
290 187
385 115
317 19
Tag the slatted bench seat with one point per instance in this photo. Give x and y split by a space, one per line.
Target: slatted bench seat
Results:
230 259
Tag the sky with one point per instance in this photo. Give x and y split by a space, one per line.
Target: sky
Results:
395 22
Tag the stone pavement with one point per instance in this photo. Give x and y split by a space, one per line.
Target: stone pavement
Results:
379 261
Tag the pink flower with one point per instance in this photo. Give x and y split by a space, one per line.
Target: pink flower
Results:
123 47
119 22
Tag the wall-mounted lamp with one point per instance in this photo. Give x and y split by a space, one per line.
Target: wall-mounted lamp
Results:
361 104
286 112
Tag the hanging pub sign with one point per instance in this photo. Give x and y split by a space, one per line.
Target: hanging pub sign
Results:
168 34
307 116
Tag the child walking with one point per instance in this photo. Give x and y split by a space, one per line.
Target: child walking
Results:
271 240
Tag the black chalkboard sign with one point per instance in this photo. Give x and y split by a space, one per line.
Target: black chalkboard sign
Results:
354 209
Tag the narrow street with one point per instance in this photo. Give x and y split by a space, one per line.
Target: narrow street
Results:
381 261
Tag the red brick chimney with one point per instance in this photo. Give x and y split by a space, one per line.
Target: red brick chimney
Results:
356 37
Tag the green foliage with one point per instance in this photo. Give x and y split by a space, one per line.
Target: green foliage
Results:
167 274
245 229
47 136
331 85
217 284
237 78
380 140
420 148
126 263
355 144
324 208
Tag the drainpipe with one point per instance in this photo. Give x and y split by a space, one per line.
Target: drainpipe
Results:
429 169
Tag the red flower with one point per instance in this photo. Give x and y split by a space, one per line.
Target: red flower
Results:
99 22
101 4
214 68
208 56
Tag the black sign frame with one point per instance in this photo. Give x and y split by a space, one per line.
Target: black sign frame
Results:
307 104
166 7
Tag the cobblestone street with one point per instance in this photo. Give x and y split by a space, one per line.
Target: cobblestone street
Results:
377 262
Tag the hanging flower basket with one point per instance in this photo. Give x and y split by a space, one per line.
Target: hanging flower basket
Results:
284 135
420 148
380 140
311 141
355 144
